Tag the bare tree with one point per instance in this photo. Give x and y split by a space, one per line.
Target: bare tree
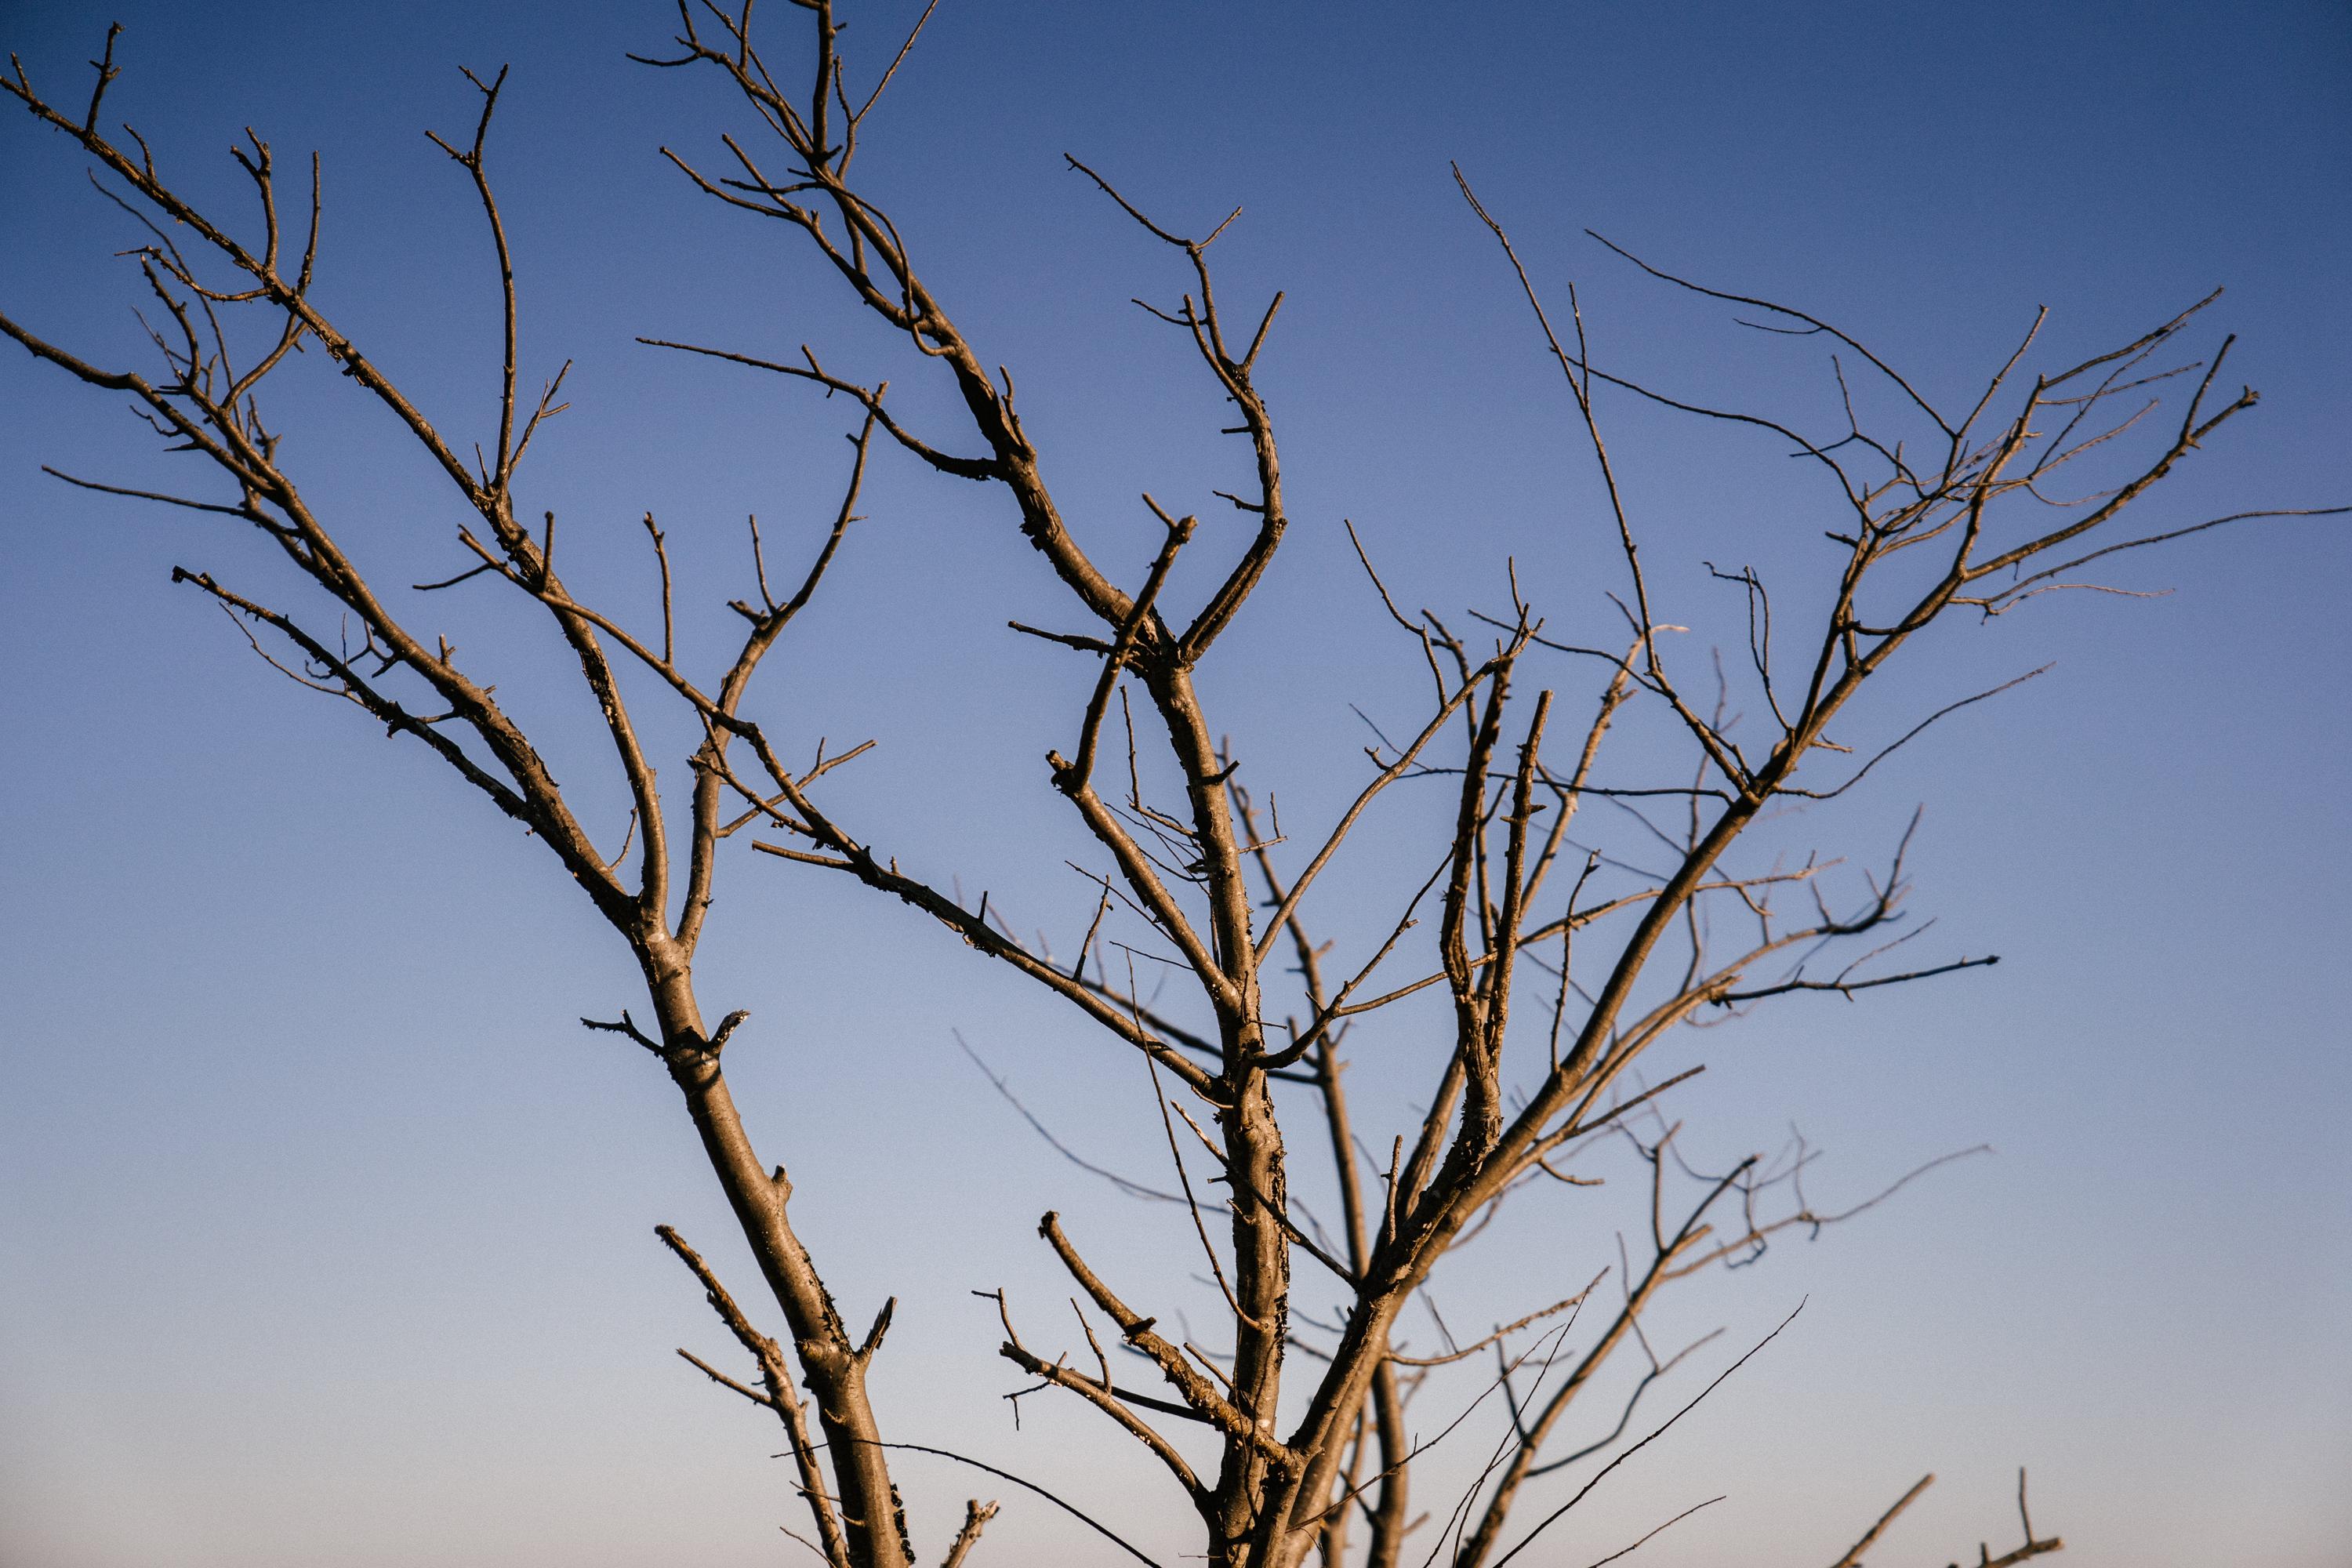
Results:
1283 1431
220 340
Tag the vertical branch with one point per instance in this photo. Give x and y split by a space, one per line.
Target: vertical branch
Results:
1384 1421
779 1398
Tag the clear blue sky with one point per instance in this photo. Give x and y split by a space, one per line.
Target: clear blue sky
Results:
325 1230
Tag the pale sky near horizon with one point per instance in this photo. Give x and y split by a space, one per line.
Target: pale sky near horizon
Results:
325 1231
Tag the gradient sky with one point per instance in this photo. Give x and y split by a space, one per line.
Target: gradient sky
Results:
325 1231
